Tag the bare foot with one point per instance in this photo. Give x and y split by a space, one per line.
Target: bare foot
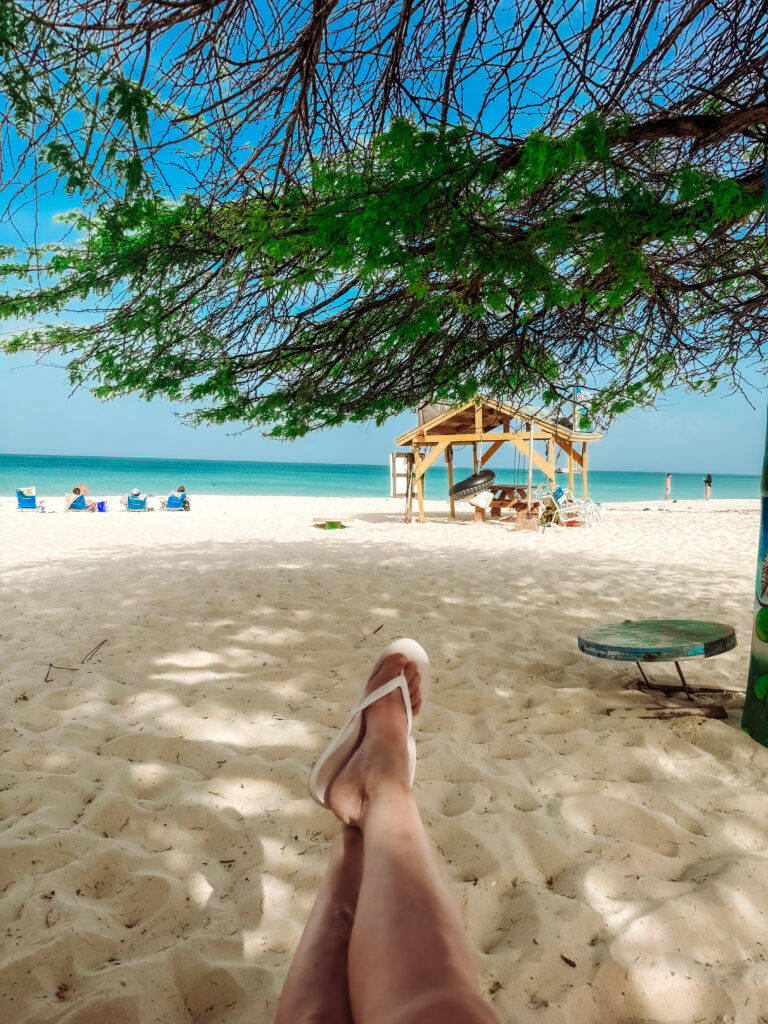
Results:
381 760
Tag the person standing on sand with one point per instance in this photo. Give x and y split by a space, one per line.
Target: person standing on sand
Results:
384 941
667 486
708 486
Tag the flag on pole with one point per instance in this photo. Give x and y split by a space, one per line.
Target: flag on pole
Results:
580 398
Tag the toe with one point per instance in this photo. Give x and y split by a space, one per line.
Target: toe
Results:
390 667
413 678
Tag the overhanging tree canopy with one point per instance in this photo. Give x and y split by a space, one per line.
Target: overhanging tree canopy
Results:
625 248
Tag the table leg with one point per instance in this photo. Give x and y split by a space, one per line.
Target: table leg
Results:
688 693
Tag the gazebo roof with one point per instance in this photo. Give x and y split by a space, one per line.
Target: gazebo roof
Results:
460 420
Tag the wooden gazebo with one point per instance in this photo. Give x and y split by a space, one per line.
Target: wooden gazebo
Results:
485 421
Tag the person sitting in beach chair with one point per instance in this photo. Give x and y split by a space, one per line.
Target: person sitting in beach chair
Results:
384 940
78 501
135 501
26 500
176 502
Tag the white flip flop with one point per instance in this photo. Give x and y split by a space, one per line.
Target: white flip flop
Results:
347 739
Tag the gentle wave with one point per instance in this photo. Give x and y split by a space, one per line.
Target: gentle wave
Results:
53 474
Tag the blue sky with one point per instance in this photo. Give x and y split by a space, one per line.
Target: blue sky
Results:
719 433
686 434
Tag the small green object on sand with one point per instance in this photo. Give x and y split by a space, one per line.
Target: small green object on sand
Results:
329 524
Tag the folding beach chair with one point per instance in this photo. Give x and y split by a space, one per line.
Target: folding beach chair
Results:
78 505
175 502
26 500
136 504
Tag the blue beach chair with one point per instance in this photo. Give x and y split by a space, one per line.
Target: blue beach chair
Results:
27 500
175 502
78 505
136 504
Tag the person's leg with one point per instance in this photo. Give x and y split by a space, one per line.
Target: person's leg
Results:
410 961
316 988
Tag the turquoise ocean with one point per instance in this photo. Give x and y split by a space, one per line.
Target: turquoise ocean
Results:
52 474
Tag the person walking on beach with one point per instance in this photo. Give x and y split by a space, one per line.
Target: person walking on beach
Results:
384 941
708 486
667 486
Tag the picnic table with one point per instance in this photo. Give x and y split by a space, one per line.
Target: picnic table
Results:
647 640
511 496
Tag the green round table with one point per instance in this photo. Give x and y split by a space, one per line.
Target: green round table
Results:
647 640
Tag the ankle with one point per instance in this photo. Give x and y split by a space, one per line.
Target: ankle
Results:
387 790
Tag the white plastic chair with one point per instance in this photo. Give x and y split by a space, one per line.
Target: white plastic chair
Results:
570 509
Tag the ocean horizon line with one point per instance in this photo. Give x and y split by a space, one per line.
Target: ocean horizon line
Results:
316 462
110 475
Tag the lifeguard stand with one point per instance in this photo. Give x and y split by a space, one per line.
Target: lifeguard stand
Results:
483 421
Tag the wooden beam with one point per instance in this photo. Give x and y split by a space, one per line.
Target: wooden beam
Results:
538 461
409 489
570 450
465 412
469 438
412 436
419 482
425 463
478 418
551 447
491 452
449 460
584 466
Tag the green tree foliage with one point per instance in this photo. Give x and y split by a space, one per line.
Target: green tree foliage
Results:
414 266
622 249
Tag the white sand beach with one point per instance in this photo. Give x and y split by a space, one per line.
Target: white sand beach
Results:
169 679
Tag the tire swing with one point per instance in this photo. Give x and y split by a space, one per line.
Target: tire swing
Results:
475 489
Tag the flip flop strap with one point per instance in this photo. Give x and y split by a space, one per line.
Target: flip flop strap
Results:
398 683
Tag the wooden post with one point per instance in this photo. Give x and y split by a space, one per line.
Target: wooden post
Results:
570 467
407 515
479 512
530 466
552 461
478 430
584 466
449 460
419 483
